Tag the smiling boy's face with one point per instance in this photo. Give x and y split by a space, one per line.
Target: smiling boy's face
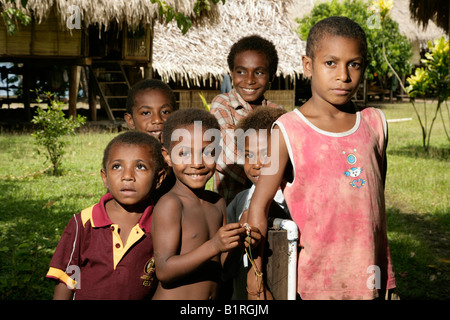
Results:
151 109
130 174
192 159
250 75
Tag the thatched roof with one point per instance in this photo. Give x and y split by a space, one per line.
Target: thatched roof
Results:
201 53
399 13
410 28
103 12
425 11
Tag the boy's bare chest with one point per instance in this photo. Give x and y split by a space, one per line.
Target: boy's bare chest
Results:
199 224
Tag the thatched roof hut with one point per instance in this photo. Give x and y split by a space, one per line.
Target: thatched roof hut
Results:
100 34
201 53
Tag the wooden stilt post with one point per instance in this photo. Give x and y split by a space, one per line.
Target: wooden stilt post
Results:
26 91
74 81
148 69
92 96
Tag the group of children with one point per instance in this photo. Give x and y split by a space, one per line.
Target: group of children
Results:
158 233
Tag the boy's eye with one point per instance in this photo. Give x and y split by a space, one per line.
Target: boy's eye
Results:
141 166
330 63
166 112
264 158
249 155
355 65
183 153
145 113
115 166
209 153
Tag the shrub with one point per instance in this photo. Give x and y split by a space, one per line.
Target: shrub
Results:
51 127
432 81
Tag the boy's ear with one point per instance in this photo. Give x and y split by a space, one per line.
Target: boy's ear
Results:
105 181
129 120
307 66
160 178
166 155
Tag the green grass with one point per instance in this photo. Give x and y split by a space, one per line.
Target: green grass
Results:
35 207
418 205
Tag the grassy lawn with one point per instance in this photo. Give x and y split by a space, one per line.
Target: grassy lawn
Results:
35 207
418 205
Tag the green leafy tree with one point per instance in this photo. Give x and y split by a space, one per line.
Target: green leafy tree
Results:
12 16
183 22
398 48
432 80
51 126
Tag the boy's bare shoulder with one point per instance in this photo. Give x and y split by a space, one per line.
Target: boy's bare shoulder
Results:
169 201
172 201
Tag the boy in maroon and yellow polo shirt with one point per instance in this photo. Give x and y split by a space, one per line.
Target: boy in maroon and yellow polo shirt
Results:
106 251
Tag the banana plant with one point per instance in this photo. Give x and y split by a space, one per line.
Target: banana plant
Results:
205 104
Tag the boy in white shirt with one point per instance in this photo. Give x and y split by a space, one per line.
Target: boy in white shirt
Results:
255 128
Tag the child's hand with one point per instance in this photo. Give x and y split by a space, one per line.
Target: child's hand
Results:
253 236
253 232
228 237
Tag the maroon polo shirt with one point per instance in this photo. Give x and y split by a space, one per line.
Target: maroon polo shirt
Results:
92 260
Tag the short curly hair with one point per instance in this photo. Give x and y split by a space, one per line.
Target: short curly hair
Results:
151 84
255 43
137 138
336 26
185 117
260 118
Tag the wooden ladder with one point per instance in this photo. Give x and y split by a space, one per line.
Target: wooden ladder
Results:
112 85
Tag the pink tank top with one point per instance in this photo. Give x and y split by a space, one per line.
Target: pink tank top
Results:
337 202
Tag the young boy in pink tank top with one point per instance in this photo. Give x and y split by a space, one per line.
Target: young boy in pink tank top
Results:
336 155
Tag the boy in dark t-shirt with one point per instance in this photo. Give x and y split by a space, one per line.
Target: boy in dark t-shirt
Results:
106 251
